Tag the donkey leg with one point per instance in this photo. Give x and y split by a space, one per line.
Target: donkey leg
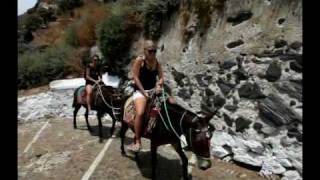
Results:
113 123
99 115
86 117
154 148
124 128
76 109
184 160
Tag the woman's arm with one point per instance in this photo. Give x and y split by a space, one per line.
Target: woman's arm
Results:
135 74
160 74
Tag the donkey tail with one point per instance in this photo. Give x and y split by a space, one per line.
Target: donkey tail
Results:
75 97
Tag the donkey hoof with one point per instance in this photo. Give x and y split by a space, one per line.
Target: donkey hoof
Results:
100 140
75 127
89 129
124 154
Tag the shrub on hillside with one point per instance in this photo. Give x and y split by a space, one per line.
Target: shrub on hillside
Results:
33 22
38 68
115 35
66 5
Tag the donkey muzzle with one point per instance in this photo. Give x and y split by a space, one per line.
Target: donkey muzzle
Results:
204 163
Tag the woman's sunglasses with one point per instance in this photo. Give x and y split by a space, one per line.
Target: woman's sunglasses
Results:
152 51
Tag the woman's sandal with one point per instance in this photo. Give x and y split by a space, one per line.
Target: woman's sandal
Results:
134 147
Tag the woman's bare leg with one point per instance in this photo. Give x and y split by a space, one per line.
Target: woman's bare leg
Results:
89 96
140 105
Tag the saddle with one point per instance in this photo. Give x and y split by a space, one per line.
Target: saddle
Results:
82 96
149 119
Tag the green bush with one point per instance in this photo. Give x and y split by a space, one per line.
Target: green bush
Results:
66 5
71 35
112 40
38 68
33 22
115 35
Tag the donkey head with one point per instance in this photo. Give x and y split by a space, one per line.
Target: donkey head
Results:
200 135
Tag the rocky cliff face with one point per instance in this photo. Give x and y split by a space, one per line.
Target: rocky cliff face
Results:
247 63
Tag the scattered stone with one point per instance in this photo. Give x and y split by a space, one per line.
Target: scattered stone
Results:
295 45
228 120
296 66
242 124
273 72
235 44
250 91
280 43
240 17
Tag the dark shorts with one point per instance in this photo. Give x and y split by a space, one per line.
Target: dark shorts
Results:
89 82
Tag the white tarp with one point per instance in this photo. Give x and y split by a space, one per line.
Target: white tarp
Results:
74 83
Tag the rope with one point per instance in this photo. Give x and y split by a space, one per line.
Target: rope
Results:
165 107
110 106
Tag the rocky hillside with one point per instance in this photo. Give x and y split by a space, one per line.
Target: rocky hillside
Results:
245 59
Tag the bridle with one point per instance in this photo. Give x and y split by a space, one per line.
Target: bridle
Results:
115 110
180 124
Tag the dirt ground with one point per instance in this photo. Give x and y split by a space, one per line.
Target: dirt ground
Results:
61 152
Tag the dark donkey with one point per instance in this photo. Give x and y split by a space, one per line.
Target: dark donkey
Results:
168 131
106 99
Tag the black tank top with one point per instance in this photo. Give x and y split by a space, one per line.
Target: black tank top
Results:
94 73
147 77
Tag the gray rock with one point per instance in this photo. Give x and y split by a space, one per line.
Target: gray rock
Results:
240 17
257 126
202 80
296 45
291 175
185 93
280 43
250 91
219 101
225 87
242 124
240 74
294 65
231 108
227 64
219 152
240 155
293 89
273 72
254 146
292 56
178 76
209 92
227 119
274 112
220 138
270 165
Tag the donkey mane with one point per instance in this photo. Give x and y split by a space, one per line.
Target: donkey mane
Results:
178 109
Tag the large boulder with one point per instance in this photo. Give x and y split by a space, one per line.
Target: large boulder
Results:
225 87
273 111
250 91
242 124
293 89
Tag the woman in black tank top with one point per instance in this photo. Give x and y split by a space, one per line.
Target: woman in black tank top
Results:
92 76
145 71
